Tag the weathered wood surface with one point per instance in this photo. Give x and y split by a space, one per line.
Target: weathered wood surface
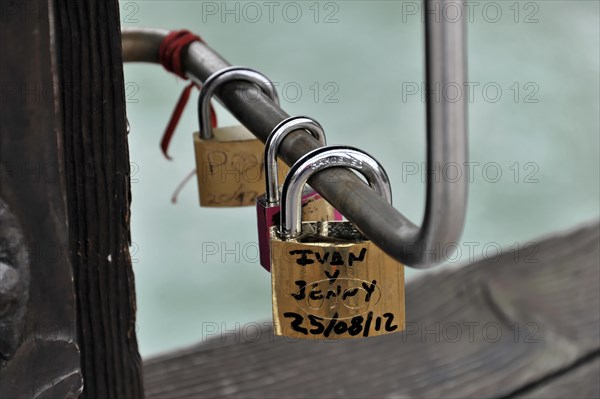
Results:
508 328
578 382
89 69
38 354
64 204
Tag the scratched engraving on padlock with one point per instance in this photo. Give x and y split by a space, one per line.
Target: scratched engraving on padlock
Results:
356 164
229 168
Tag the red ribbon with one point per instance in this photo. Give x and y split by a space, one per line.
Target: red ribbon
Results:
169 55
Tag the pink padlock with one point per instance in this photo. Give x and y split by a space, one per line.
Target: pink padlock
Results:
314 207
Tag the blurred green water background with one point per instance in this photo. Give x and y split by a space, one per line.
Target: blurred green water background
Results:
357 67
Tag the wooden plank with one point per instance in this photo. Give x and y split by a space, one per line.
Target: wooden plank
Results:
580 382
69 323
484 330
96 157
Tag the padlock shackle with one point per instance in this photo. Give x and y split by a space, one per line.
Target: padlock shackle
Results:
315 161
220 77
278 134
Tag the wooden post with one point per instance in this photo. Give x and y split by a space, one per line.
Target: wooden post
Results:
63 112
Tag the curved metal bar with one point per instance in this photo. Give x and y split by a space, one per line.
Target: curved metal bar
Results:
223 76
316 161
272 147
445 207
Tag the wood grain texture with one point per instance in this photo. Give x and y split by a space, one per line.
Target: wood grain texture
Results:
494 328
38 353
90 76
579 382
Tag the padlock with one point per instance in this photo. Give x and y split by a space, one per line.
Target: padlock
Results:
328 280
314 207
229 160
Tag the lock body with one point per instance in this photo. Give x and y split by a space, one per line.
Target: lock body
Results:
314 208
229 168
332 282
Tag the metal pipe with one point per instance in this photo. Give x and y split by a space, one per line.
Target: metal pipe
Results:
445 59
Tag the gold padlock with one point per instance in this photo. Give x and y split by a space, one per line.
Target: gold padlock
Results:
229 161
328 280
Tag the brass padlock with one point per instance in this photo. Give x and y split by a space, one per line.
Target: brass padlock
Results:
229 160
328 280
314 207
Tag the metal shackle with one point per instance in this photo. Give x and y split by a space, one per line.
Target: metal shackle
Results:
278 134
223 76
315 161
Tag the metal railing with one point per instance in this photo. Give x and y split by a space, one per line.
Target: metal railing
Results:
445 208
